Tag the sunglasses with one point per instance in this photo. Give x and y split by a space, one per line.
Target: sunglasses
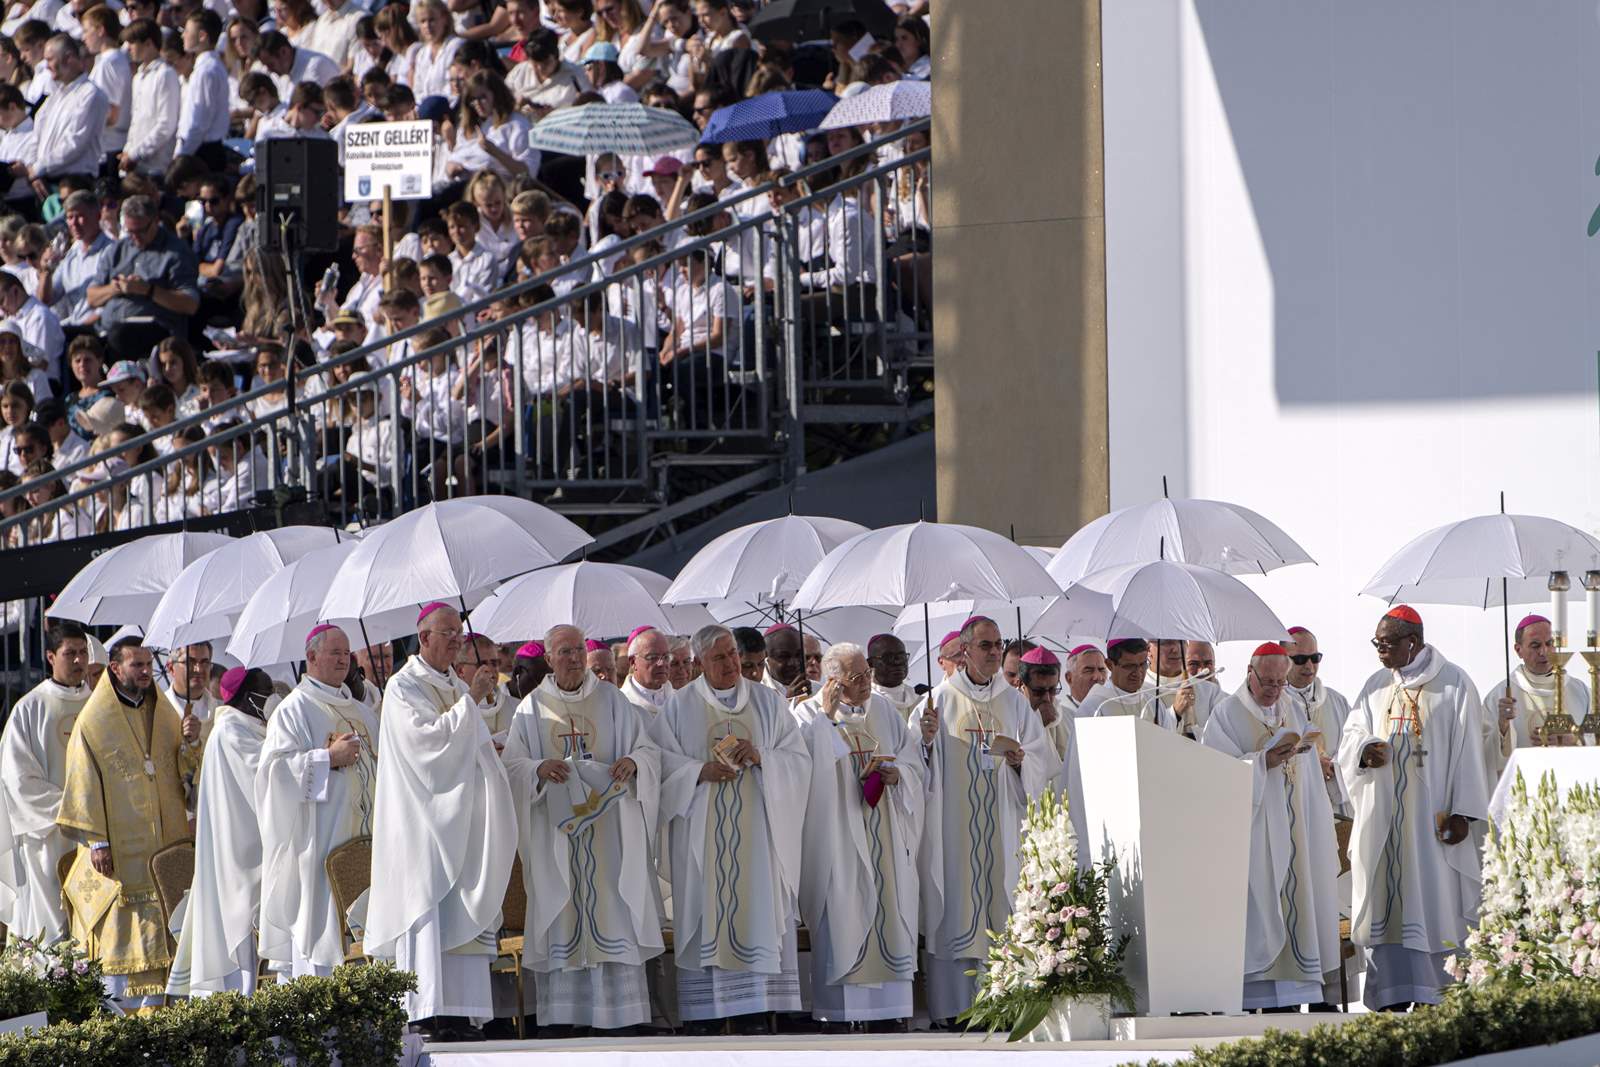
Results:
1303 658
610 175
209 200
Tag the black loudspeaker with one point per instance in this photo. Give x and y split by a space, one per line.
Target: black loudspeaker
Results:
297 181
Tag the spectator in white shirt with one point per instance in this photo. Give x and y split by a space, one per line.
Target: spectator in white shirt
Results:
16 146
31 38
473 264
241 472
112 72
430 61
67 138
362 298
491 133
605 73
334 32
543 81
65 276
39 325
301 118
295 19
346 108
203 117
68 16
157 97
913 43
291 66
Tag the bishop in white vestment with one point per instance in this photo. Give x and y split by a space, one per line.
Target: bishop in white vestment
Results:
33 766
863 826
1086 668
1514 721
1187 700
585 778
735 774
314 792
986 754
443 832
646 686
886 655
498 713
1412 757
1322 706
1292 920
1039 682
1126 690
217 940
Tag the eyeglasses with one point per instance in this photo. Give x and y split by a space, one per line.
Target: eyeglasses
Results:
448 635
892 658
853 679
1045 691
656 657
1384 645
1268 683
1309 657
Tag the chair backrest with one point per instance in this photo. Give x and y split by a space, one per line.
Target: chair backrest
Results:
514 912
349 868
172 871
1341 837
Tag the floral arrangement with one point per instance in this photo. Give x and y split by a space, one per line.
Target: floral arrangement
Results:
1540 918
1055 944
58 979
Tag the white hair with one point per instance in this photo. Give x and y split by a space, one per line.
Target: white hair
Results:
677 642
316 643
550 634
634 645
833 660
1257 661
707 636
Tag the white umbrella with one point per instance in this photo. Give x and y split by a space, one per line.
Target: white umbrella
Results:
920 562
206 597
601 599
763 562
124 584
856 625
1162 599
1085 612
626 128
454 550
273 624
894 102
1208 533
1485 561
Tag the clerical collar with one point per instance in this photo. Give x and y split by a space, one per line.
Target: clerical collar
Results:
122 697
1418 666
726 697
324 687
65 688
657 696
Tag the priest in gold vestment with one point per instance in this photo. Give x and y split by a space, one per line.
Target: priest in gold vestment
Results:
121 803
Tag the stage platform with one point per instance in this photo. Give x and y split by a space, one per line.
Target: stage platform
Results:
1162 1040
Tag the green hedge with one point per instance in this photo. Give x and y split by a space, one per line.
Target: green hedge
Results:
1472 1021
355 1013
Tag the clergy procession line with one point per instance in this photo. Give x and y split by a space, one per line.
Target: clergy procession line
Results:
682 810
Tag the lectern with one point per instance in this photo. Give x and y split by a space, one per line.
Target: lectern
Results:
1176 816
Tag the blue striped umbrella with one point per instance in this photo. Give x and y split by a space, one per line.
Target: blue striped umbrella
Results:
763 117
628 129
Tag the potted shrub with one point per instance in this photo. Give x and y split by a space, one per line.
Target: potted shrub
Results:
1055 972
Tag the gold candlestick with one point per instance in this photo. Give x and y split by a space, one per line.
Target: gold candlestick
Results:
1590 729
1559 725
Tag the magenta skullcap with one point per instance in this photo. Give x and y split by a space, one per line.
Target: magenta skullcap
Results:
232 680
1082 649
591 645
321 627
776 628
1529 620
429 609
953 635
1297 630
637 630
531 650
1041 657
975 619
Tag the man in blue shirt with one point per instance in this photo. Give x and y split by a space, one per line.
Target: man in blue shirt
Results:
147 285
219 283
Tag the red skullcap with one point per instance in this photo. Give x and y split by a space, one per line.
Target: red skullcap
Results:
233 679
1041 657
1405 613
1271 648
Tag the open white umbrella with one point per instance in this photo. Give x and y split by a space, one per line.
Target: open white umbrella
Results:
1488 561
272 626
1208 533
764 562
207 596
454 550
921 562
626 128
1163 600
895 102
601 599
124 584
1084 613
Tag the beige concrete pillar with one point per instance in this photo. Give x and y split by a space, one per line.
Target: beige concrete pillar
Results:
1019 266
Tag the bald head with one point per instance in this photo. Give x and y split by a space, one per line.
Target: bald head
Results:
651 659
785 656
1304 645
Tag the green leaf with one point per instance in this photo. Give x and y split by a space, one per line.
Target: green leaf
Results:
1033 1014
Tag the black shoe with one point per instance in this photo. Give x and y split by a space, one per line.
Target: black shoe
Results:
1322 1006
1404 1005
500 1030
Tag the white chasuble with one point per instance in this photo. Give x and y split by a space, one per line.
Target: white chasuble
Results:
306 810
1292 920
735 845
1106 699
1326 709
33 766
971 825
216 946
584 842
1409 889
901 697
444 831
1207 695
859 866
1535 695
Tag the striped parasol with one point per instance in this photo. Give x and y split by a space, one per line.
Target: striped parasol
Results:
629 129
764 117
894 102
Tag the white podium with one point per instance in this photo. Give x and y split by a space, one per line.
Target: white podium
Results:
1177 817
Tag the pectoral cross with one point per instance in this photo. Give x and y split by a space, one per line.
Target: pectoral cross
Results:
1411 716
860 754
574 741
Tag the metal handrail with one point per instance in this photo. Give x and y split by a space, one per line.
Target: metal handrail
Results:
247 423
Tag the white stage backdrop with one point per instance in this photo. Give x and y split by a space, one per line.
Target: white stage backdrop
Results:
1349 283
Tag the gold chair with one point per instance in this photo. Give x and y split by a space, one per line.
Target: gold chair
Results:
349 868
513 920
